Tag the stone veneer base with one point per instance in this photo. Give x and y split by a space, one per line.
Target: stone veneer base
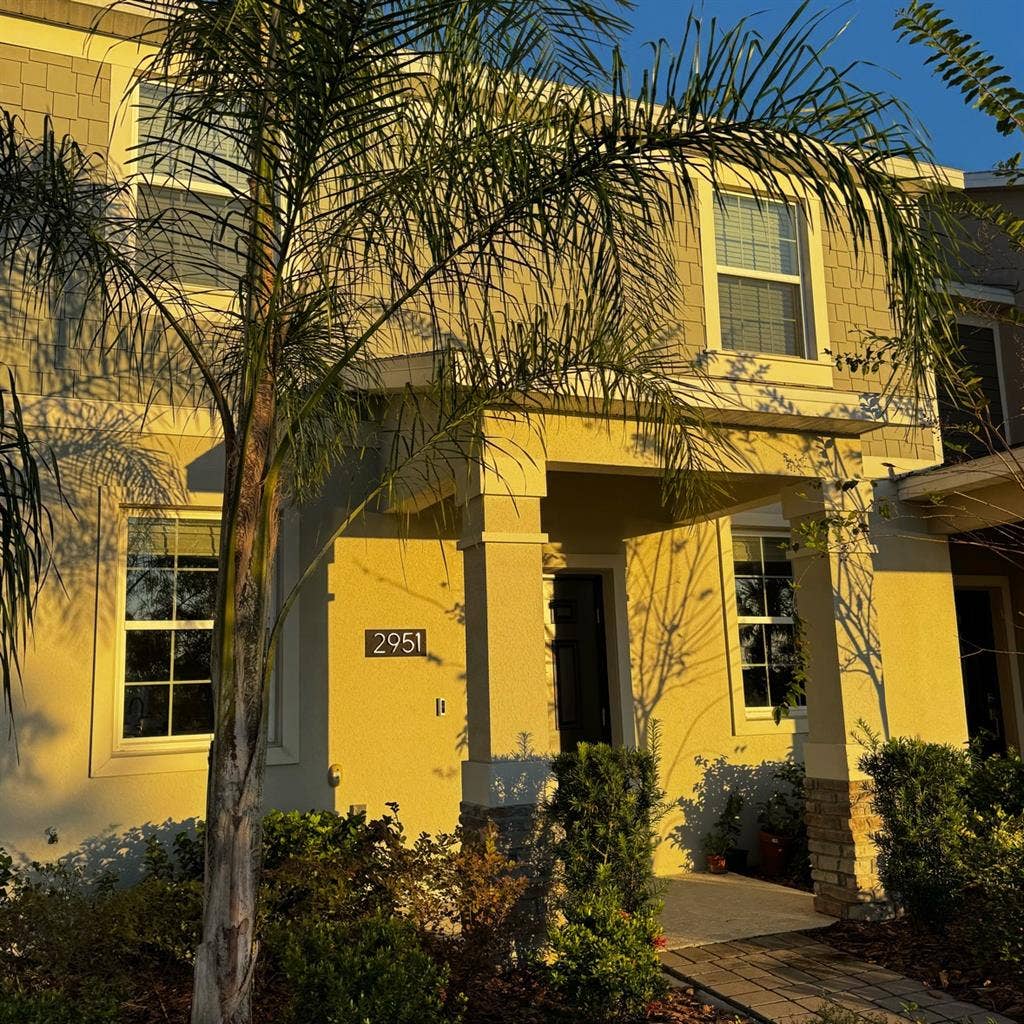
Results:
844 859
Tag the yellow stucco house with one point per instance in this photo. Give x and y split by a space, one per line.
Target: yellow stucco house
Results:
563 603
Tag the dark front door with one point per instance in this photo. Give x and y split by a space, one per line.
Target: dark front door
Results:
980 668
578 654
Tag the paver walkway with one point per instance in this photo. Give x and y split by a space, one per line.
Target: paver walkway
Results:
702 908
785 978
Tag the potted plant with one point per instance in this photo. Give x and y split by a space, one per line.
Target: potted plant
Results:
781 821
729 820
720 843
715 846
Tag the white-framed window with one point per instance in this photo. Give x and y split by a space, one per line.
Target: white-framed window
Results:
765 615
760 275
186 175
170 580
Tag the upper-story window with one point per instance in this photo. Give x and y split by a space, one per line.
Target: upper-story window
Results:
765 612
169 591
760 285
191 179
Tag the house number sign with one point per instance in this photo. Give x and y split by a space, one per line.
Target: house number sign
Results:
396 643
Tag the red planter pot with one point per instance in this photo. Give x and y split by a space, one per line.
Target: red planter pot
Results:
716 863
774 852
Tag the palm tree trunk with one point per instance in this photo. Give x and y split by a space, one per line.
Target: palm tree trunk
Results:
226 957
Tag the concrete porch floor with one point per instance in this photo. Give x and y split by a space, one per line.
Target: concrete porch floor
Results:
701 909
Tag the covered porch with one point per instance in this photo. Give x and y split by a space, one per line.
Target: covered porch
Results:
579 499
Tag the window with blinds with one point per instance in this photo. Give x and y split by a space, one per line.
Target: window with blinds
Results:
190 216
757 252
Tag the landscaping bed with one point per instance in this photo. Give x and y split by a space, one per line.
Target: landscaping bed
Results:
359 923
524 999
939 961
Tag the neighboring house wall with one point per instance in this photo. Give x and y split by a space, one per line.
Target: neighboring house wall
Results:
991 261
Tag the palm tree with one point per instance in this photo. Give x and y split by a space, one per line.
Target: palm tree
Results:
473 183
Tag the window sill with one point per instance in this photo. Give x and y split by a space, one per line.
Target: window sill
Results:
185 757
757 723
759 368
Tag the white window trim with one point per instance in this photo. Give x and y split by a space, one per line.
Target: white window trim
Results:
746 721
112 754
148 744
814 369
997 343
123 153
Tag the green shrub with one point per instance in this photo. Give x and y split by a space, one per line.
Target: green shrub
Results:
449 908
371 971
310 835
992 907
920 792
951 842
604 959
996 785
604 950
72 949
606 809
48 1007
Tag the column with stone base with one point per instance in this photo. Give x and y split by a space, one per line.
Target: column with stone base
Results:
834 574
509 707
844 865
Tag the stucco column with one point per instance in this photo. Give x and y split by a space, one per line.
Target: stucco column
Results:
508 704
833 566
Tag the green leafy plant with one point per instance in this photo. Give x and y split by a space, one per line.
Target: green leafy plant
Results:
604 959
603 944
606 807
920 793
368 970
992 903
951 842
726 833
47 1007
442 913
782 813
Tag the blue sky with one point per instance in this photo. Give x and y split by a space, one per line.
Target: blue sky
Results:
959 136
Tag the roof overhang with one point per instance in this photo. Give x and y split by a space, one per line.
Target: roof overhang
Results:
987 491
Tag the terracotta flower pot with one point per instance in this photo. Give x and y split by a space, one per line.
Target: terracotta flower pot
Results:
716 863
774 852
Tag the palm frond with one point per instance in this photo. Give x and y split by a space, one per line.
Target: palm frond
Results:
965 65
26 535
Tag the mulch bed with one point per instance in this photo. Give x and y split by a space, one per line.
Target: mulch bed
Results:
681 1006
939 961
519 998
